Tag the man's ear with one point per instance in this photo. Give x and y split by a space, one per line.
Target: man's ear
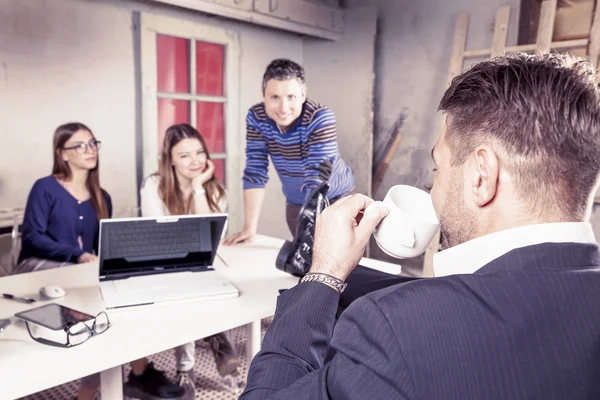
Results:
484 172
304 93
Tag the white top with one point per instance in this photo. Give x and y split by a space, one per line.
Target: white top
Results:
153 206
468 257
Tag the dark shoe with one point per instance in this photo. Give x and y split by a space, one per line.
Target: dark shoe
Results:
225 355
152 384
296 257
187 381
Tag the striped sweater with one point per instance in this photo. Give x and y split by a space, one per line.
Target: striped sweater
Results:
303 156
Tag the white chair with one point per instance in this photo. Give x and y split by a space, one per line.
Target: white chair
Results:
10 243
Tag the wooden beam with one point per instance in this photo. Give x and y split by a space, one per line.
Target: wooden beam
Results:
456 64
545 27
528 48
250 11
390 150
594 47
458 45
500 32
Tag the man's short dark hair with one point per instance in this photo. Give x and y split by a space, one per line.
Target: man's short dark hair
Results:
283 69
543 112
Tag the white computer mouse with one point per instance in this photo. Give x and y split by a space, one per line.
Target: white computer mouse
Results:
52 292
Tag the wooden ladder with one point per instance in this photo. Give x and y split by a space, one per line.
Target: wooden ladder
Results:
543 44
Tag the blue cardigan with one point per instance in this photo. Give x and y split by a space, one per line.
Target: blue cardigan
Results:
54 220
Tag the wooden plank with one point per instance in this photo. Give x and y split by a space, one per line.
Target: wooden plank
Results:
481 53
528 48
545 27
500 31
250 11
565 44
456 64
458 45
594 47
390 151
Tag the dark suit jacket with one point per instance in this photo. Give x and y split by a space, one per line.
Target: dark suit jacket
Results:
525 326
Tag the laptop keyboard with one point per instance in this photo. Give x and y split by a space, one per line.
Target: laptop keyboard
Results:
160 282
150 289
137 241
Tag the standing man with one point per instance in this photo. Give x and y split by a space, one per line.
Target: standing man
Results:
300 136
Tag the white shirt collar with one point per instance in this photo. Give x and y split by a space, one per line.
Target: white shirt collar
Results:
468 257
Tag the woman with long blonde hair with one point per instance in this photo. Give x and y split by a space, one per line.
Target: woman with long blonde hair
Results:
186 184
186 181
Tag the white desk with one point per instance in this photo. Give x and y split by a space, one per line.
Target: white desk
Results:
27 367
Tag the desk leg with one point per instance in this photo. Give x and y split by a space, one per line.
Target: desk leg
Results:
253 339
111 383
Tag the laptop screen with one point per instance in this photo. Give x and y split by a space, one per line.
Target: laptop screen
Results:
141 246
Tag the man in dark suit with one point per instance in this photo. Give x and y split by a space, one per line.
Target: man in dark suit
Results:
513 312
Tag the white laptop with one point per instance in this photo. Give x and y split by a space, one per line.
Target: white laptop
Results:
150 260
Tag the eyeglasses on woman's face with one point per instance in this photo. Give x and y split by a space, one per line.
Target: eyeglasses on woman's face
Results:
81 148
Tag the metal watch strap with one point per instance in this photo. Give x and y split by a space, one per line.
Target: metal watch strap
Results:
326 279
199 191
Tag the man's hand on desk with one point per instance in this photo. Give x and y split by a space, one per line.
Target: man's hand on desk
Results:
246 236
342 233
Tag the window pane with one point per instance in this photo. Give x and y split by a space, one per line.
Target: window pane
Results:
171 112
173 64
209 68
209 117
219 170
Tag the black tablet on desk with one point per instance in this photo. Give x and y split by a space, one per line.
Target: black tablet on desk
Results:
54 316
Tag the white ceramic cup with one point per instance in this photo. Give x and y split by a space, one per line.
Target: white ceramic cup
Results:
411 224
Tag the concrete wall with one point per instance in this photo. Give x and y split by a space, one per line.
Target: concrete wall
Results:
348 62
411 64
63 60
412 59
